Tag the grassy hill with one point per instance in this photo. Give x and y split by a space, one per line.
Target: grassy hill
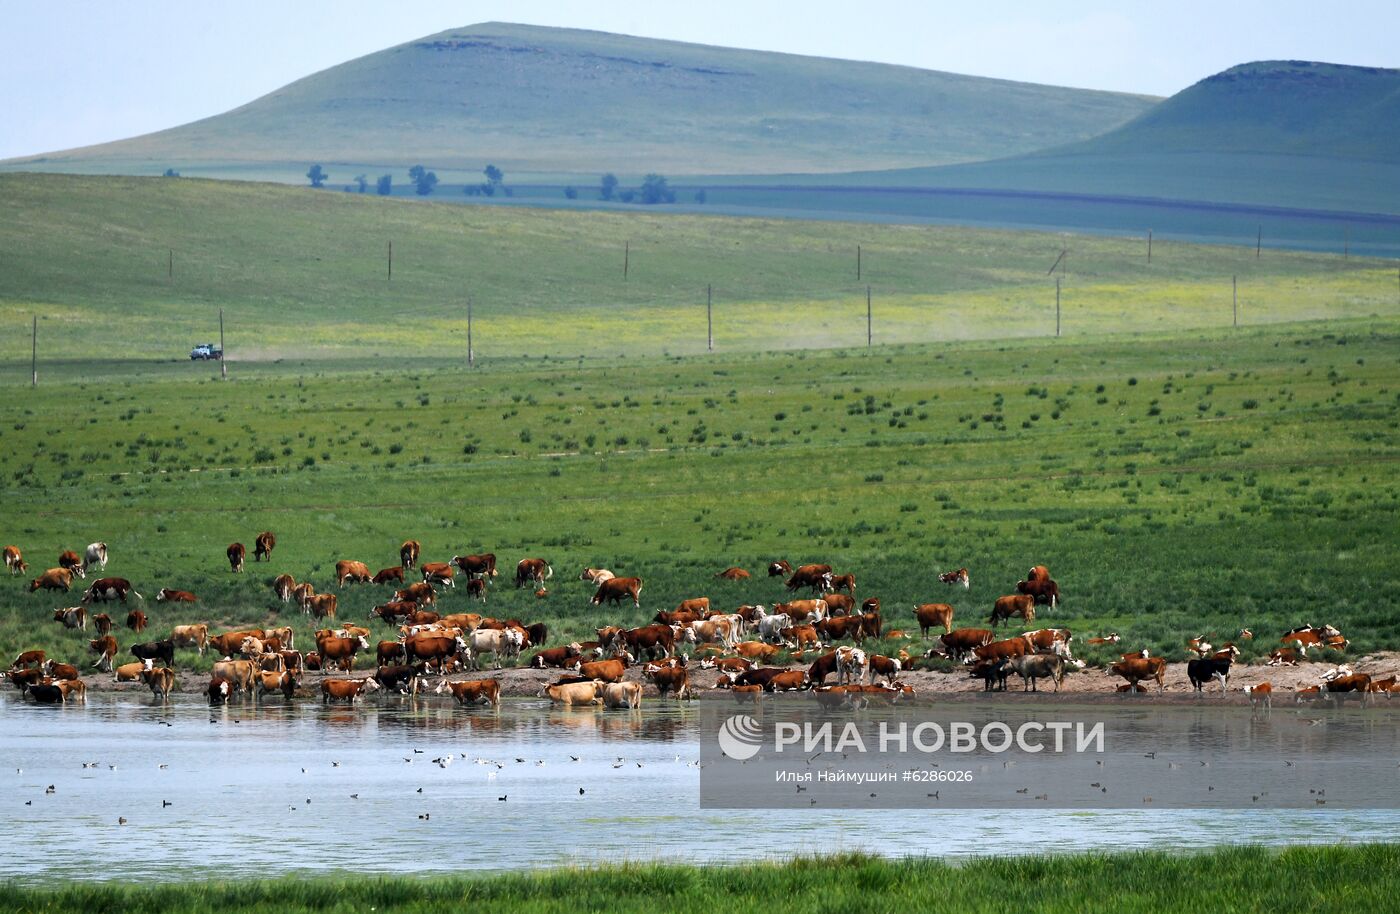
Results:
538 99
301 272
1273 133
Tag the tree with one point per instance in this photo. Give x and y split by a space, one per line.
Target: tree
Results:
423 180
170 173
571 193
493 175
384 185
608 187
317 175
655 190
361 182
701 196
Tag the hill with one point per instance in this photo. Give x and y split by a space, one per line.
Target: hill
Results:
119 268
549 100
1272 133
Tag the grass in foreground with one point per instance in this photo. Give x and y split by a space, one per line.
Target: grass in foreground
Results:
1314 879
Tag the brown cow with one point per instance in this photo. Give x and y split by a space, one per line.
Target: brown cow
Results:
532 571
477 566
961 642
733 574
408 554
385 575
788 681
778 569
572 693
824 666
1007 607
263 545
801 610
196 636
56 670
387 652
53 579
136 621
931 615
347 570
756 650
436 650
439 573
302 594
323 605
679 617
1136 669
229 643
346 690
14 560
160 680
473 691
236 553
556 656
616 590
611 670
72 561
846 582
1044 592
1004 650
697 605
341 651
105 650
28 658
852 627
394 610
282 586
815 577
239 674
476 587
166 595
839 604
803 636
420 592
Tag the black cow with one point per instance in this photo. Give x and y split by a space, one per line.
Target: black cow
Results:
163 651
1203 671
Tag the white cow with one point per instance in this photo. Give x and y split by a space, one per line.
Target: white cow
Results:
770 628
96 554
498 642
850 664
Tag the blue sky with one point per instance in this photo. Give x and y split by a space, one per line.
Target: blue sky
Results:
77 72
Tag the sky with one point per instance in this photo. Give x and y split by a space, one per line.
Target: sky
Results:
78 72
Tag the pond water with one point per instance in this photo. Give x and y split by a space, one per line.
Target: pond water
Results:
277 789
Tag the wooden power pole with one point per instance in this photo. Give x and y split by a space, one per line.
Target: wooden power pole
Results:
471 352
1235 300
709 319
869 327
34 353
223 353
1057 306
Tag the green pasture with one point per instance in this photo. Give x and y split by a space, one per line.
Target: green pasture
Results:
138 269
1176 484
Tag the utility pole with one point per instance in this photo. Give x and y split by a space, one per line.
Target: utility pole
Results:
1149 245
709 320
869 331
857 263
223 354
34 353
1057 306
626 258
391 260
1235 298
1346 242
1259 241
471 353
170 265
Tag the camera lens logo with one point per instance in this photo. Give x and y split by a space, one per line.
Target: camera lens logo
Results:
740 737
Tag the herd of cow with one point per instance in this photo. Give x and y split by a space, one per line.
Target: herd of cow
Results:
738 644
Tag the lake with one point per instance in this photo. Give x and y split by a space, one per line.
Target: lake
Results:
270 790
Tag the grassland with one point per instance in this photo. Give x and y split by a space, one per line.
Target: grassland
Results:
1175 484
301 273
1322 879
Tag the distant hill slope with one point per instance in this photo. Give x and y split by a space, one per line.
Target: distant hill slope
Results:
549 100
1272 133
